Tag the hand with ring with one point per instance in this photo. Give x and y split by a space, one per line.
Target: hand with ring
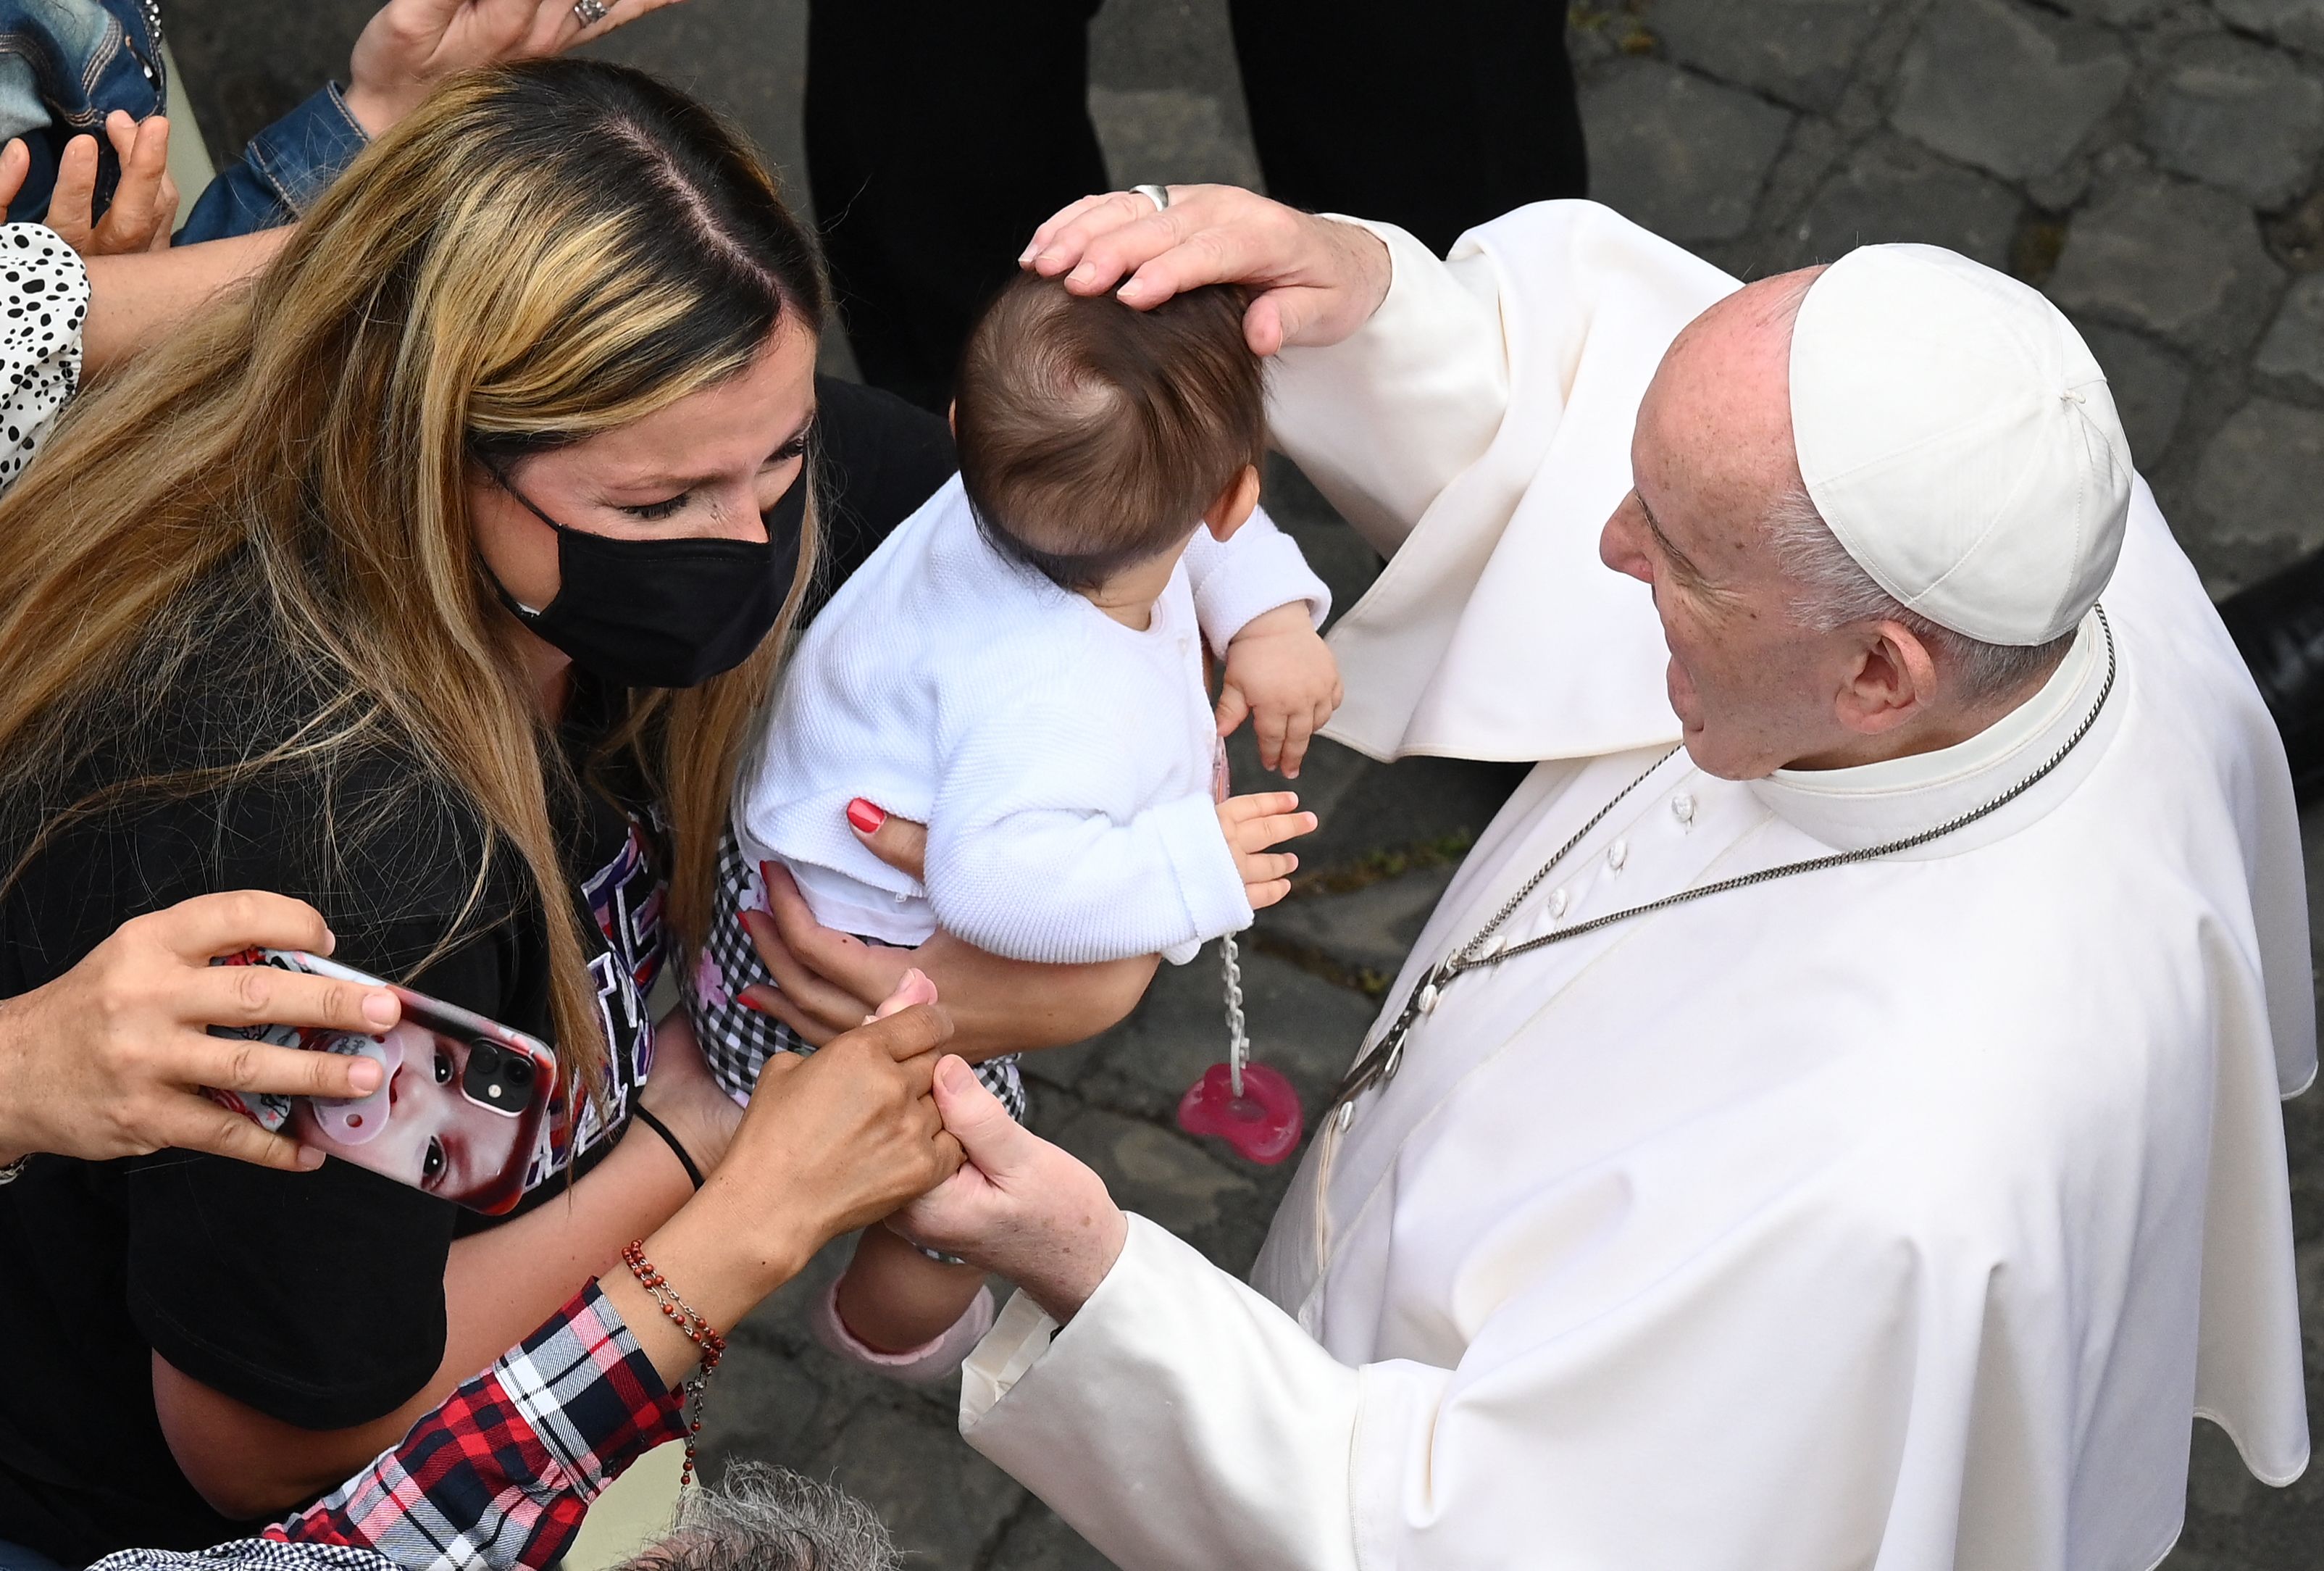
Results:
1314 281
411 45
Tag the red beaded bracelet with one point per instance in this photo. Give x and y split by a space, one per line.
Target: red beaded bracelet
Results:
697 1330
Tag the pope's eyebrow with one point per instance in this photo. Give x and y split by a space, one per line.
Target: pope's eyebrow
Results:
1679 559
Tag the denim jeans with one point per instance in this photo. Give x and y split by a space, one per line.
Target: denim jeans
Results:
64 65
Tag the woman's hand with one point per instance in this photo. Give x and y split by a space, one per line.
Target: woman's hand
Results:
411 45
825 979
681 1093
145 206
830 1143
1018 1206
1316 279
106 1060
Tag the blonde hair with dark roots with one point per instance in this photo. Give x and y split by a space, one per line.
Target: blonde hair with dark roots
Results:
540 253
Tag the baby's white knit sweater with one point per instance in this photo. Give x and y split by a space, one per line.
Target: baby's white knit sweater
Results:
1061 761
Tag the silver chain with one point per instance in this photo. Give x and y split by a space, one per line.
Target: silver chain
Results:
1379 1067
1238 1042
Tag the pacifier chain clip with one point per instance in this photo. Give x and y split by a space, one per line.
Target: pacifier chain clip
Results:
1251 1106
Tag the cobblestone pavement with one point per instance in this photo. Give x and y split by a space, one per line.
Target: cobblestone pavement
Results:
2153 164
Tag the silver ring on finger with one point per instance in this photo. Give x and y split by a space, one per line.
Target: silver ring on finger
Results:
1159 195
590 11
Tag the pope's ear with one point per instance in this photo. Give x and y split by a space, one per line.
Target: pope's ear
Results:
1895 680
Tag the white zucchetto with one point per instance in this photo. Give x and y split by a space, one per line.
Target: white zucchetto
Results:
1958 435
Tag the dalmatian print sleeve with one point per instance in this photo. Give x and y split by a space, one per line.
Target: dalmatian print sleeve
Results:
43 301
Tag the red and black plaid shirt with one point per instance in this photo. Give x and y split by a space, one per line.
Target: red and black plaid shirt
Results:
499 1476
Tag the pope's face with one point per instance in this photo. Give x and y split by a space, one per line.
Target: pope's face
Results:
1754 689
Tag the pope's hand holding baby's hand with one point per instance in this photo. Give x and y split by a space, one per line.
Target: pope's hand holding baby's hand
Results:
1281 674
1254 823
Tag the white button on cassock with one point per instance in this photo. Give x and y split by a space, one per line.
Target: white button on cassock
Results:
1618 854
1557 904
1682 808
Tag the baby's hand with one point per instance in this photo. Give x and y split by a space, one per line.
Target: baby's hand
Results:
1254 823
1279 671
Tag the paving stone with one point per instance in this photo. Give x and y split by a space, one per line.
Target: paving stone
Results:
1167 43
1799 51
1894 189
942 1501
2261 475
767 1406
2238 114
2298 22
1038 1542
2179 259
1683 155
1368 931
1300 1023
2149 383
1436 806
2294 345
1160 1175
2004 87
2122 12
1172 137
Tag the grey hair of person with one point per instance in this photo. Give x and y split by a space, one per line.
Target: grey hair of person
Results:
1830 590
765 1518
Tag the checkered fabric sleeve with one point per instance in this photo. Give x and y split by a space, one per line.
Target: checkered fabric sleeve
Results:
736 1038
250 1554
502 1475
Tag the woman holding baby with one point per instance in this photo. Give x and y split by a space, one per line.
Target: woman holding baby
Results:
434 579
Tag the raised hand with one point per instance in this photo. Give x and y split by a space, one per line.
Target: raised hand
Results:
1251 824
843 1137
411 45
1317 281
106 1060
145 206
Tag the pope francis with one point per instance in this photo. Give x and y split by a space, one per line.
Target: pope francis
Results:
1832 1120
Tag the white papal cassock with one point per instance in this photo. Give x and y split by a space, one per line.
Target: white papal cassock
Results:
1898 1215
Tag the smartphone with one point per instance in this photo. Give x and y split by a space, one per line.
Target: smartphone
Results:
459 1116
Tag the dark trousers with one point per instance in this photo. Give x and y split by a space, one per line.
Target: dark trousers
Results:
940 134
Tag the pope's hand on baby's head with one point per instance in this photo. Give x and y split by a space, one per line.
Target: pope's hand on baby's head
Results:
1251 824
1280 673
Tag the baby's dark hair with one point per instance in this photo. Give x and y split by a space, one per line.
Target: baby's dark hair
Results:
1092 436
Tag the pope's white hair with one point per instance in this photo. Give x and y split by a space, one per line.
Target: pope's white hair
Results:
764 1518
1830 590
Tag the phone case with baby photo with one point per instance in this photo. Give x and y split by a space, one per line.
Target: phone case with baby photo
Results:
462 1113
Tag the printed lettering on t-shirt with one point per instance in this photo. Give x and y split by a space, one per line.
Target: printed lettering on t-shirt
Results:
625 899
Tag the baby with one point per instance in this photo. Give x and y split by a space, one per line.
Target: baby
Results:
1019 667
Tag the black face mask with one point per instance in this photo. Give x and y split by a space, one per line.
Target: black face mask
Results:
664 613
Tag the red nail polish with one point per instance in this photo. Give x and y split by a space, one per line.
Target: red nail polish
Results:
864 815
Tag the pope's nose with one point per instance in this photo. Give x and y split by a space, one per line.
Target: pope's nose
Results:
1618 546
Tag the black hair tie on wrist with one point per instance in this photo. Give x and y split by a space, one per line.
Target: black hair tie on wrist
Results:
671 1141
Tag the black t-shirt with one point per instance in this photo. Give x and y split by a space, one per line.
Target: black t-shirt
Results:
316 1298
